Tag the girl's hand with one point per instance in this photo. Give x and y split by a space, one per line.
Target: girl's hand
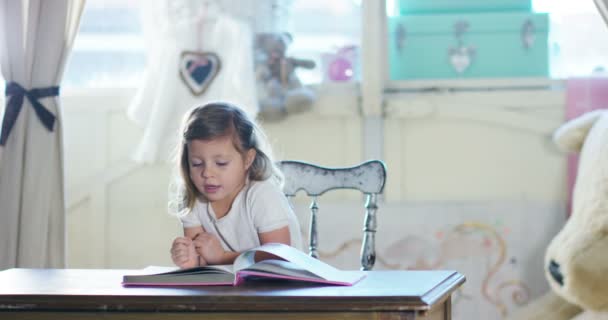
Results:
183 253
208 246
201 261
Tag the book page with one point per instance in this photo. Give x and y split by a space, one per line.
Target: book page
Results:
209 275
157 269
282 268
180 279
300 259
204 269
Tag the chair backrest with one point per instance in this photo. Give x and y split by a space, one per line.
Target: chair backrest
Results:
368 177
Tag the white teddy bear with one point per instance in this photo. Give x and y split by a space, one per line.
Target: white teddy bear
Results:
576 261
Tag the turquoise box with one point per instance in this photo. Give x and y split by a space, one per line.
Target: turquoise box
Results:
476 45
454 6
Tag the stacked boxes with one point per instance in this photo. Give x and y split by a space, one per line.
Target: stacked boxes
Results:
454 39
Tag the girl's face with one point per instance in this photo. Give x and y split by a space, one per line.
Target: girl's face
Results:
217 169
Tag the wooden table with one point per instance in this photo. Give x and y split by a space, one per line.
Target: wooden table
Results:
94 294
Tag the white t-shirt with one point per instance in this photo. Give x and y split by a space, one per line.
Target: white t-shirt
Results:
259 207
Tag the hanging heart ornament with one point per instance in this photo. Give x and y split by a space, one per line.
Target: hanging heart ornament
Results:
198 69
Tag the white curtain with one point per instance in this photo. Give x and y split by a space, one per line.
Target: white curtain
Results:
35 39
170 28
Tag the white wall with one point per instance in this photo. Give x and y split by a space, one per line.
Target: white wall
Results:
475 146
474 184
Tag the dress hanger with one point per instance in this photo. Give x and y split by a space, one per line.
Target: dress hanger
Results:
209 11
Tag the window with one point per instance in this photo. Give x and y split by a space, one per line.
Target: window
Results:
334 36
573 52
109 49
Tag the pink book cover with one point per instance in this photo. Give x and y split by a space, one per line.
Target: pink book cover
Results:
175 284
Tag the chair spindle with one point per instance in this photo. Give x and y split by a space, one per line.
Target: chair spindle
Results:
368 247
313 241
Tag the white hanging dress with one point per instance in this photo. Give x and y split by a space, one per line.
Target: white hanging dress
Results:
162 101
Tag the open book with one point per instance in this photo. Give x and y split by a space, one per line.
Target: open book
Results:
296 265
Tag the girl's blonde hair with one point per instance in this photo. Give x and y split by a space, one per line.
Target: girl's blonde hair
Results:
215 120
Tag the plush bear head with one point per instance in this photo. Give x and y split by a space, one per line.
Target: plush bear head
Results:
270 51
576 261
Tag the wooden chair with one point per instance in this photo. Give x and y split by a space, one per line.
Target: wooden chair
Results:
368 177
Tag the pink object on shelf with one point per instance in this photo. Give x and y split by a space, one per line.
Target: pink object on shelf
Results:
340 66
340 69
583 95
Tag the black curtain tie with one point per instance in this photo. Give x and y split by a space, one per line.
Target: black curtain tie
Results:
17 93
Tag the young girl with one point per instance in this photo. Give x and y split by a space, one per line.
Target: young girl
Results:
233 199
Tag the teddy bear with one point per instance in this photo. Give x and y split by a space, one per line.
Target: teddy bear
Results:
576 260
280 92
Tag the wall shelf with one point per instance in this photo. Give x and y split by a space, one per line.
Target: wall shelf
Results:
480 84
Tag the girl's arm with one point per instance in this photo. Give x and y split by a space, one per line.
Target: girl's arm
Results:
272 209
280 235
